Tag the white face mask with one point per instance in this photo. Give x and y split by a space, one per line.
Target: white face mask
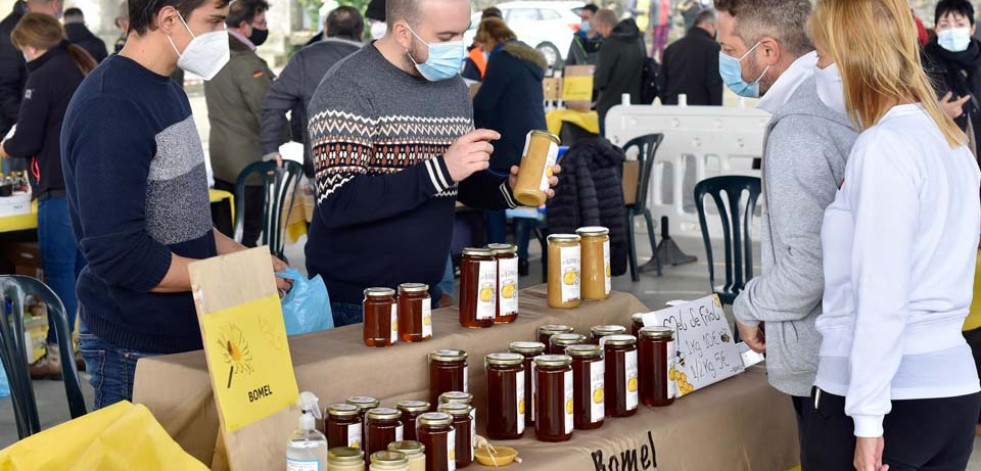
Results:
205 55
378 29
830 89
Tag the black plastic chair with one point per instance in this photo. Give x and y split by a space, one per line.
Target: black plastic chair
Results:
276 181
646 146
13 352
736 229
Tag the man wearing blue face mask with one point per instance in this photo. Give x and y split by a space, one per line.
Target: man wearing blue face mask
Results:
586 43
394 148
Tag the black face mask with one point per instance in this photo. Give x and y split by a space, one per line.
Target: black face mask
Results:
258 36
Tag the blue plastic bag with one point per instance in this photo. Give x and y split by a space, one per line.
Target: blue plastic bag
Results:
306 308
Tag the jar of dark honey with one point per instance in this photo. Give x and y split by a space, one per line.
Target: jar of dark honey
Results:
383 426
559 342
343 425
456 397
411 410
478 288
435 431
466 430
636 323
588 378
621 375
507 282
657 354
546 332
364 404
564 269
598 332
448 371
380 317
505 396
415 313
596 271
554 401
528 350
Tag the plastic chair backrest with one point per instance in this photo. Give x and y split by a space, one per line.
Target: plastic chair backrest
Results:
736 225
13 352
276 183
647 146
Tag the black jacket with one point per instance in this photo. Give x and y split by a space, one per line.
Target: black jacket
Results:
584 50
511 101
79 34
960 74
691 67
12 70
51 82
620 67
590 193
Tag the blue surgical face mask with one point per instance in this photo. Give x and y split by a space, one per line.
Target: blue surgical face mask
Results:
585 27
445 59
955 39
731 70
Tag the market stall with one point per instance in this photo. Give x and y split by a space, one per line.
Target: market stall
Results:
741 423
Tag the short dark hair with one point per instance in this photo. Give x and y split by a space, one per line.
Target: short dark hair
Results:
74 15
491 12
408 10
784 20
345 22
143 13
945 7
591 7
245 10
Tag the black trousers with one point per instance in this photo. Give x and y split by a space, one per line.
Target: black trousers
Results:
254 205
920 435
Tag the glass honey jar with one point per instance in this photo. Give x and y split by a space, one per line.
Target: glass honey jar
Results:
554 403
345 459
364 404
564 271
466 431
344 425
546 332
436 433
636 323
411 410
528 350
505 395
415 313
537 166
448 371
558 342
622 383
597 333
386 460
456 397
383 426
588 378
478 288
414 451
597 282
507 282
380 317
657 361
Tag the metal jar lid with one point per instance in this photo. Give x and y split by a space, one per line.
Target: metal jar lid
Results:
413 288
477 252
620 340
389 458
657 332
564 340
637 318
363 402
345 455
456 397
583 350
564 238
413 406
435 418
504 359
409 448
379 292
532 348
594 231
383 413
552 137
553 360
455 409
502 249
552 329
343 410
448 355
604 330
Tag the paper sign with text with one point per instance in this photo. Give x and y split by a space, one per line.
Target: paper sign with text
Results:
707 352
249 360
577 88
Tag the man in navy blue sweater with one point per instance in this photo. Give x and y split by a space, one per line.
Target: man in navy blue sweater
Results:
138 194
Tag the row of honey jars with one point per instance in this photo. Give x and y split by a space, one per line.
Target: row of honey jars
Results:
489 286
399 456
388 319
579 267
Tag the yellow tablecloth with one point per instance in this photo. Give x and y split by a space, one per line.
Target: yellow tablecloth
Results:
588 121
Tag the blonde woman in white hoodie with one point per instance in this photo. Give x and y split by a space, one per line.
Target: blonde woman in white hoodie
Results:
897 387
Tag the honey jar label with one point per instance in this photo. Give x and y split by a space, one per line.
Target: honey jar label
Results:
466 378
534 387
399 433
631 378
597 407
568 403
395 323
507 295
354 435
520 397
473 429
570 266
673 391
486 291
451 451
607 270
427 318
548 171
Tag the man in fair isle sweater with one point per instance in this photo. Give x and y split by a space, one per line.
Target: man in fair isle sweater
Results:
393 144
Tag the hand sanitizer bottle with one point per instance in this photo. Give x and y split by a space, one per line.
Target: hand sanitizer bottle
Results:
306 449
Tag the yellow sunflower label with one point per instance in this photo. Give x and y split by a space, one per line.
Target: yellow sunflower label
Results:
249 360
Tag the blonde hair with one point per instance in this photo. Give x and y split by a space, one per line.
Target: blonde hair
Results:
874 44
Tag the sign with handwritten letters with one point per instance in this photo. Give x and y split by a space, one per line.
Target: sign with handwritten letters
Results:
707 352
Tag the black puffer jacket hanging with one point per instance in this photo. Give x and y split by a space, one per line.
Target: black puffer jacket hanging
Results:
590 193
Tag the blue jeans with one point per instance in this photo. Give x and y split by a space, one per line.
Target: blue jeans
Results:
112 368
350 314
60 257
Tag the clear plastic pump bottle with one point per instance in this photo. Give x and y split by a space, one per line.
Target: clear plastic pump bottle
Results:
306 449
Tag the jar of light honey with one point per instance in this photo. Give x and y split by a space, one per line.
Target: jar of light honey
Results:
389 461
539 157
478 288
345 459
564 271
507 282
596 272
414 451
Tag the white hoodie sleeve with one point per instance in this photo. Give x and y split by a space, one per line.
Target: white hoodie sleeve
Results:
882 188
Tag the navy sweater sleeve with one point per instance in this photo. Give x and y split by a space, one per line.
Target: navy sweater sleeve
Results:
111 193
32 122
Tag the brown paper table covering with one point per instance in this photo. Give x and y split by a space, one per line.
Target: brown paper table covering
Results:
741 423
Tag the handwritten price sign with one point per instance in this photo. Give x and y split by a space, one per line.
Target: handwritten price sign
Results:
707 352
